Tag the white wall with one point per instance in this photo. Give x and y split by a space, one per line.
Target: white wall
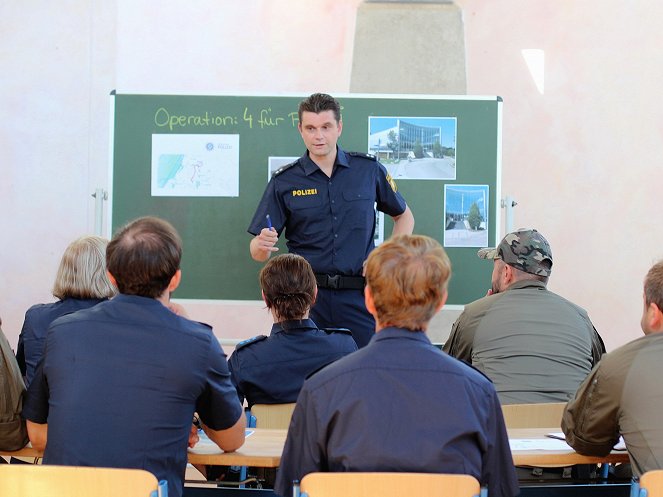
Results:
582 159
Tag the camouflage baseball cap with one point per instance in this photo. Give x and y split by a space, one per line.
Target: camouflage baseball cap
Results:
524 249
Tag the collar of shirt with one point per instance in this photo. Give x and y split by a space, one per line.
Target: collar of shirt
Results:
293 326
137 299
392 332
526 284
310 167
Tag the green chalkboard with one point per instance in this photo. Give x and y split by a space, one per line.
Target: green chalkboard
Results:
216 263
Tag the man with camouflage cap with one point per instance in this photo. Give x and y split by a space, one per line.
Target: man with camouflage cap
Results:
533 344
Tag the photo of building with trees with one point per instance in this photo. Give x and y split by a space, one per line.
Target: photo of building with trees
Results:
415 147
466 215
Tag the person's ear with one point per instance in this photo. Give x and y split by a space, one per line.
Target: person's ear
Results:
340 126
654 316
175 281
368 300
442 302
507 275
111 278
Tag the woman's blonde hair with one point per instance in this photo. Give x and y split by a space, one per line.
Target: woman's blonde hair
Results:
82 271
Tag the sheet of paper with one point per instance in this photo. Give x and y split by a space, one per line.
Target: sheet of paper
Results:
620 445
538 444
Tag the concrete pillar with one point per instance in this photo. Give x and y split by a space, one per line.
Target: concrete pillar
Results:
409 47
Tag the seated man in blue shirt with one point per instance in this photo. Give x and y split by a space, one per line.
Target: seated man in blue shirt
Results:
400 404
271 370
119 383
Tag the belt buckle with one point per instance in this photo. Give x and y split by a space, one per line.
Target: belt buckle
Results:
334 281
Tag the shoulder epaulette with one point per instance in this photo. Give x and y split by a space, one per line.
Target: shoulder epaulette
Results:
338 330
284 168
363 156
250 341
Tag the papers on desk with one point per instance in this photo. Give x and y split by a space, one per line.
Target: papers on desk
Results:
553 441
620 445
206 446
517 444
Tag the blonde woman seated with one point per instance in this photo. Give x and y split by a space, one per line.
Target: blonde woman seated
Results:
80 282
271 369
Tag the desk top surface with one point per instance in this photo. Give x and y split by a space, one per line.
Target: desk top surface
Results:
263 448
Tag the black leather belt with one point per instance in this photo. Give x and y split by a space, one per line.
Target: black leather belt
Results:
340 282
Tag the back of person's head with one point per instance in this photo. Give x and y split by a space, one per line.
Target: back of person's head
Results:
143 256
320 102
654 285
82 271
408 277
288 284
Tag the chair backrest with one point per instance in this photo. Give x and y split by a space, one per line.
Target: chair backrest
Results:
533 415
30 480
274 416
652 483
388 485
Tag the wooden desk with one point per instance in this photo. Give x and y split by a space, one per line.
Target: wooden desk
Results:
263 449
553 458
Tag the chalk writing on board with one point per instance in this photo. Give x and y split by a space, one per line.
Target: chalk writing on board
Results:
261 118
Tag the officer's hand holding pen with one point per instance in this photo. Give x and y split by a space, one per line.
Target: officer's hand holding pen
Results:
268 237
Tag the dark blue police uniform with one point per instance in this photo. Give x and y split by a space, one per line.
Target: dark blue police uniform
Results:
399 404
331 223
33 334
119 383
271 370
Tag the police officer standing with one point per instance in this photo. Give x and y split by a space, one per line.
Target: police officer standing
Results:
325 202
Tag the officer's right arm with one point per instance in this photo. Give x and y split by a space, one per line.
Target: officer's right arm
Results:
263 244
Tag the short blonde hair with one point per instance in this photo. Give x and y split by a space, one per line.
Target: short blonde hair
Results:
82 271
408 277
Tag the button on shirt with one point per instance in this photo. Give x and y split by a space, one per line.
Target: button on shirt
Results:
399 404
329 221
271 370
119 383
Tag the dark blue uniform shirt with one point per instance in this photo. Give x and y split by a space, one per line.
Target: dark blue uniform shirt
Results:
399 404
331 223
271 370
118 385
33 334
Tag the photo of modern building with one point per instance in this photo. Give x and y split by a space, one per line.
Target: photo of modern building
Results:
415 147
466 215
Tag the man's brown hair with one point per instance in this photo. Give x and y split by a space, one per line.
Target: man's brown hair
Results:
654 285
289 286
320 102
408 277
143 256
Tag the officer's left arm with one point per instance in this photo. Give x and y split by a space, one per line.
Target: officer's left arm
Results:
403 224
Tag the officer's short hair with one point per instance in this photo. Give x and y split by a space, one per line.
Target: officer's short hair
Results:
408 277
143 256
289 286
320 102
654 285
82 271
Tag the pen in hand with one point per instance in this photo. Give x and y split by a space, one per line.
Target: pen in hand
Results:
269 222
